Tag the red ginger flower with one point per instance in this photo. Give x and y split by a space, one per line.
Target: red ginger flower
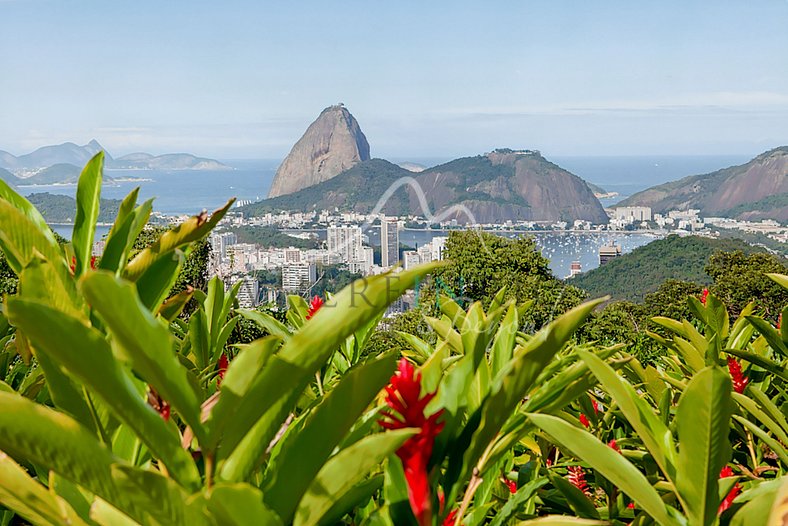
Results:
612 445
512 485
577 477
404 397
739 380
224 362
158 403
450 518
584 421
732 494
314 306
704 295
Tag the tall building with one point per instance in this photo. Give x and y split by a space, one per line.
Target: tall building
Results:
389 242
249 292
410 258
345 241
632 213
575 269
298 276
608 252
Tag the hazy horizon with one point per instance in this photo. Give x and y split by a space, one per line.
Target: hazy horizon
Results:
243 80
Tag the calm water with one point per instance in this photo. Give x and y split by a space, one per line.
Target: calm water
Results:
179 192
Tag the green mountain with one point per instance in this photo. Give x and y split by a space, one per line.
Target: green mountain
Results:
62 208
755 190
496 187
633 275
8 177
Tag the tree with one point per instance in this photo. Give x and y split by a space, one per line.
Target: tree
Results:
739 278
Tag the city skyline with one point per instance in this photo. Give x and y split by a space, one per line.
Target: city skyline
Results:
243 81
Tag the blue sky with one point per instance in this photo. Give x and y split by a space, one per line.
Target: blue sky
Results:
236 79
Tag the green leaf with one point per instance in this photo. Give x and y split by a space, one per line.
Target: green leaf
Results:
703 421
561 520
239 505
760 361
576 499
343 471
174 305
156 282
773 444
146 343
27 210
278 388
304 453
769 333
193 229
127 226
266 321
517 501
241 372
31 500
78 457
515 381
88 198
503 345
780 279
21 239
655 435
85 354
610 464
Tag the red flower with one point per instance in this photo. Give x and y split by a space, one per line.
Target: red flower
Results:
314 306
222 368
404 398
577 477
596 406
158 403
704 295
631 505
450 518
584 421
73 265
739 380
732 494
512 485
612 444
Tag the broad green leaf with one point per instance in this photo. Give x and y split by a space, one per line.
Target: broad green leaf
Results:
516 379
88 198
576 499
503 345
304 453
78 457
193 229
703 420
769 333
773 444
27 209
21 239
145 342
241 372
446 332
610 464
125 230
84 353
266 321
780 279
275 392
174 305
760 361
749 405
352 498
561 520
655 435
343 471
155 283
517 501
105 514
423 349
239 505
20 493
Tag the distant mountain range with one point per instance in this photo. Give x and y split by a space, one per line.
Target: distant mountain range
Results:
329 167
62 163
754 190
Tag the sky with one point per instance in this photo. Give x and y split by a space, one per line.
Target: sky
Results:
243 79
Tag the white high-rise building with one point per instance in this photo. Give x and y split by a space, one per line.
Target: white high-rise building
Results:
410 258
345 241
389 242
298 276
249 292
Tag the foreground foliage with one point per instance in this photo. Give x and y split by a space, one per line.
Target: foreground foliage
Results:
117 407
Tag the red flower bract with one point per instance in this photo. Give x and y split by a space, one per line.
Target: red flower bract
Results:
222 369
407 404
739 380
584 421
732 494
512 486
314 306
704 295
612 444
577 477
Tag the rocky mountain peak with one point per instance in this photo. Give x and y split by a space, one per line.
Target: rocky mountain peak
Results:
333 143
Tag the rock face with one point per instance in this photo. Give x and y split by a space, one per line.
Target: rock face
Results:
755 190
331 145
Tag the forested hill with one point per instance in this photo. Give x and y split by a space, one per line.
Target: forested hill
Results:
632 276
61 208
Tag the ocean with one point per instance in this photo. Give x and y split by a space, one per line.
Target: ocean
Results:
189 192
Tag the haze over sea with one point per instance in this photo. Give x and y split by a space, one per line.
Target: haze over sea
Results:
189 192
